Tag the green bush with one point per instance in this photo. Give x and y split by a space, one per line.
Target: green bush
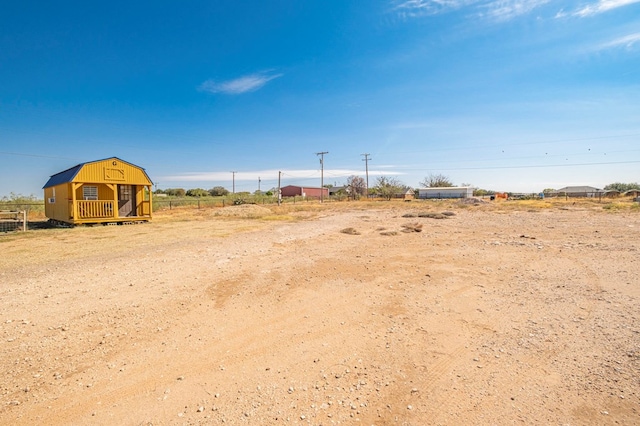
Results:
19 202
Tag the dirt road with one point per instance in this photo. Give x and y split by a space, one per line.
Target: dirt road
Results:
489 316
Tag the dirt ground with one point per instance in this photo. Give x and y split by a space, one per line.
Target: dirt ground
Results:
494 314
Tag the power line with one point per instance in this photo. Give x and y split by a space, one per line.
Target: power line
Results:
448 147
38 155
533 166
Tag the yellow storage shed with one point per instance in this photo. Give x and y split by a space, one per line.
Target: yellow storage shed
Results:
103 191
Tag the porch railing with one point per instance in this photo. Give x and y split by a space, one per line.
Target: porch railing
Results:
90 209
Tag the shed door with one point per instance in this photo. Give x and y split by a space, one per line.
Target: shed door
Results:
126 200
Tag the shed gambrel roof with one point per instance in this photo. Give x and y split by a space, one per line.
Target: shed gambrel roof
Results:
69 174
64 176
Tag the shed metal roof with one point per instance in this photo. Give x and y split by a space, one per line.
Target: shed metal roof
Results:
68 175
64 176
578 189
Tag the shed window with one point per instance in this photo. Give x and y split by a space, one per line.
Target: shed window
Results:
125 192
90 192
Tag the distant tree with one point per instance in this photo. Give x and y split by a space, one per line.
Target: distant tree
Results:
356 186
622 187
386 187
436 181
478 192
548 190
175 192
19 198
466 184
269 194
197 192
158 191
218 191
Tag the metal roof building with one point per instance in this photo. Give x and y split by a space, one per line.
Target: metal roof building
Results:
445 192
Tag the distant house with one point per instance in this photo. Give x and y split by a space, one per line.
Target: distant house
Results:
578 191
409 194
304 191
611 193
103 191
632 193
445 192
338 190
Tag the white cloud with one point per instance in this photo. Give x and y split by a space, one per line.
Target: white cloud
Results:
247 83
627 42
497 10
603 6
504 10
561 14
415 8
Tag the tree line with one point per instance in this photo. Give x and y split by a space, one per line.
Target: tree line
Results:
386 187
216 191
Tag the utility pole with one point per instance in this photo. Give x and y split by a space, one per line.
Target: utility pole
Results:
366 165
234 182
321 154
279 191
258 185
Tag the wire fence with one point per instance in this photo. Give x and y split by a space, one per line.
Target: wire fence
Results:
36 209
29 207
13 220
211 202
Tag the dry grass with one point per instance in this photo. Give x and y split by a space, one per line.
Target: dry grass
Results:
246 211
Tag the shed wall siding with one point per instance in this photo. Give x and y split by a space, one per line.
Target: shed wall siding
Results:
60 209
292 190
445 192
315 192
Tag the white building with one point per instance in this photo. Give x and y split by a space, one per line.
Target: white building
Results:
446 192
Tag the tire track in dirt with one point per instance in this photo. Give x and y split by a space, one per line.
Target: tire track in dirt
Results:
477 327
246 338
542 359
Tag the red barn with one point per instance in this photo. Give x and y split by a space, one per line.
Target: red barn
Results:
304 191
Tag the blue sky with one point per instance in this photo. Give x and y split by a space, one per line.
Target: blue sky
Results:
508 95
